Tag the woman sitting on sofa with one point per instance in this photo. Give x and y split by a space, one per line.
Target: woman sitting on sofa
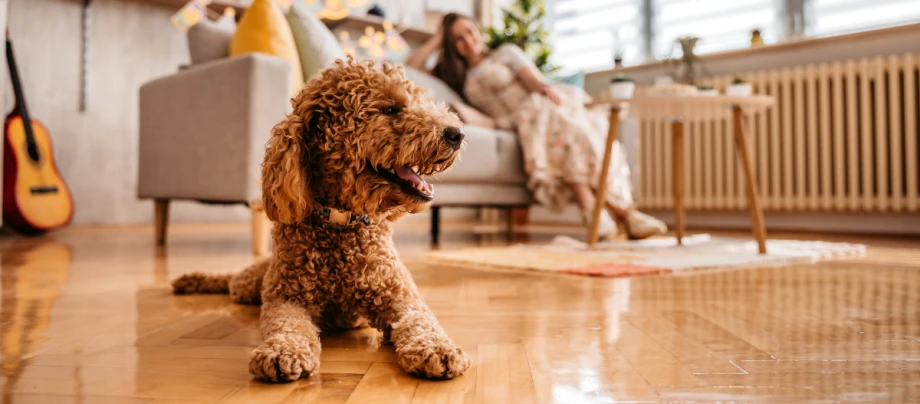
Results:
562 140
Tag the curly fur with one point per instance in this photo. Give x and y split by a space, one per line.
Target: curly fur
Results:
325 277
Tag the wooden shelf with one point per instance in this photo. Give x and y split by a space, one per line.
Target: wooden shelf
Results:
411 34
219 5
764 49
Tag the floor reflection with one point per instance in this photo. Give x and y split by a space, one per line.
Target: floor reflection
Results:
32 275
92 316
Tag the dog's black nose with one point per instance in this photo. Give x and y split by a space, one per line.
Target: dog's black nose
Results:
453 136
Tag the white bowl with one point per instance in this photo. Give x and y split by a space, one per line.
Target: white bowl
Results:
622 90
740 89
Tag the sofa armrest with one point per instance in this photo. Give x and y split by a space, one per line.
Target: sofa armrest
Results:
203 130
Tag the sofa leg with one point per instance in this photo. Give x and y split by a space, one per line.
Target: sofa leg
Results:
261 229
160 220
511 219
521 215
435 223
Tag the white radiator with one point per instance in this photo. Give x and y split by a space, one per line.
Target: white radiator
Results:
842 137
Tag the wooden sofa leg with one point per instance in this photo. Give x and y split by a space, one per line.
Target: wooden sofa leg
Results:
521 215
435 223
160 219
261 229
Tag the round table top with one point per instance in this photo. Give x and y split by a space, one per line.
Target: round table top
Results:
689 107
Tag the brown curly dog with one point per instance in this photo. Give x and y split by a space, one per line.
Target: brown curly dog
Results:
337 171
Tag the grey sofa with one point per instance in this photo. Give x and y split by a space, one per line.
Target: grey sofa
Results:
489 174
490 171
203 131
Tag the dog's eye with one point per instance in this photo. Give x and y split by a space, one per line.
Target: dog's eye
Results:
390 110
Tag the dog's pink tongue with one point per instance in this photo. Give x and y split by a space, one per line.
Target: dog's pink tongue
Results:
408 174
418 183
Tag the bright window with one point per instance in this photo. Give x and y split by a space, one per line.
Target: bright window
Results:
721 25
586 34
833 17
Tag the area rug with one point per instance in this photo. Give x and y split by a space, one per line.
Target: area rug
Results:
567 255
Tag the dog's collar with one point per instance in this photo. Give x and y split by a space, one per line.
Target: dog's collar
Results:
340 217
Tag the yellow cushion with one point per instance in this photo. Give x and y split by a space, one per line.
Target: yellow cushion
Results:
263 28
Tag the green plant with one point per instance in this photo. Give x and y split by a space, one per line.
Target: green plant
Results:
705 88
738 80
620 78
523 27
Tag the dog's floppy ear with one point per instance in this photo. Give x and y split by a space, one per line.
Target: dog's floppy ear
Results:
285 183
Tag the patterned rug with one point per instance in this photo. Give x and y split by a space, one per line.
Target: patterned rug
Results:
644 257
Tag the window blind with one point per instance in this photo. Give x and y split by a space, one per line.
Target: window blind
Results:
834 17
586 34
721 25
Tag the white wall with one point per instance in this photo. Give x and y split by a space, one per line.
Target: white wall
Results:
132 42
463 7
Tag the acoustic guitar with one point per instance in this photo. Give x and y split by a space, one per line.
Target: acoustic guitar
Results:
35 197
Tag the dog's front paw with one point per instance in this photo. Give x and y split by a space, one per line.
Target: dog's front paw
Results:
444 361
282 360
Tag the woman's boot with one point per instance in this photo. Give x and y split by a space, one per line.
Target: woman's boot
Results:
607 230
639 225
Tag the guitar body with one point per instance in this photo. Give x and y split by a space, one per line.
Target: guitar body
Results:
35 197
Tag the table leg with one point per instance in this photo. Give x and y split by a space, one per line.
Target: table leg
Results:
677 138
600 198
750 182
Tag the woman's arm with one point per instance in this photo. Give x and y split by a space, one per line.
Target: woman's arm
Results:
535 82
532 79
418 57
528 74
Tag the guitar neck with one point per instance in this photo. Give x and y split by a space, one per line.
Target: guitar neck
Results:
20 106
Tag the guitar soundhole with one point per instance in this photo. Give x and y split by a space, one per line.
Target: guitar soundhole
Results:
41 190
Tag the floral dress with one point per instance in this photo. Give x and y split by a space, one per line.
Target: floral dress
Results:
561 144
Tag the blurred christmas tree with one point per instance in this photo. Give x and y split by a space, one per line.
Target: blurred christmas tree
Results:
523 27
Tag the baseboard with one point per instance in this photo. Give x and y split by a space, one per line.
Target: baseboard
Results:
447 213
856 223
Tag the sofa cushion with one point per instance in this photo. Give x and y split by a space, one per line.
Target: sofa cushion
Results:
482 194
209 40
441 92
437 89
264 29
576 80
489 156
316 44
471 116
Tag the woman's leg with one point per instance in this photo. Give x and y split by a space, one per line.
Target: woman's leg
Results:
618 213
619 200
584 195
637 225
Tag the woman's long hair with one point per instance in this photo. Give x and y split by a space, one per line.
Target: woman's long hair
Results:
451 67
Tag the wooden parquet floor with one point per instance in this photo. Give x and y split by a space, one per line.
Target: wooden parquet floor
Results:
87 317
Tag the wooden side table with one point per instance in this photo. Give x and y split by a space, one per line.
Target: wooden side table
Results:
678 110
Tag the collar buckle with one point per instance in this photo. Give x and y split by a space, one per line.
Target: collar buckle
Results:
340 217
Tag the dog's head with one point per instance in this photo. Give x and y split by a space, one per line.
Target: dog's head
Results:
361 139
